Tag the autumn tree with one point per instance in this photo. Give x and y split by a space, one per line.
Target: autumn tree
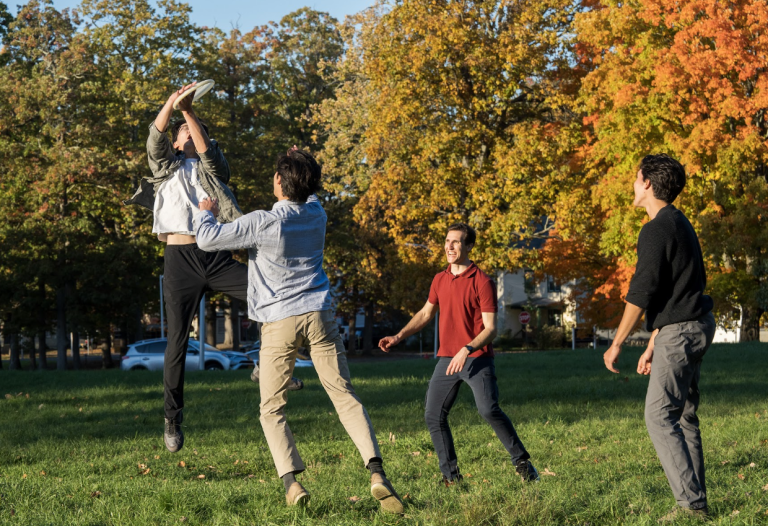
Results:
687 78
446 112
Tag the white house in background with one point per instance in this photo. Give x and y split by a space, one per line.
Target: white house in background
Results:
546 301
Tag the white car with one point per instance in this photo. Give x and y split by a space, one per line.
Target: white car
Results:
149 355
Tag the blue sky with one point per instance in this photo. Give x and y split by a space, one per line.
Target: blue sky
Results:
247 14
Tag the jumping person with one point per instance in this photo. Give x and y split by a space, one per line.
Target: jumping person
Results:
290 294
466 299
185 170
668 286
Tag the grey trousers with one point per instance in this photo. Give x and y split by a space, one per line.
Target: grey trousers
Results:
671 404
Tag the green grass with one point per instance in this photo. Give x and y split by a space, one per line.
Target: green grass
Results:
86 447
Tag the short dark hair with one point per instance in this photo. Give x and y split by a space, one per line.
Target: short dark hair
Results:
667 176
181 122
300 175
470 236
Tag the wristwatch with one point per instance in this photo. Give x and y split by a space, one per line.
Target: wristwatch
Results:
469 348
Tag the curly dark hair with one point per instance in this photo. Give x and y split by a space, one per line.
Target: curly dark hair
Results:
667 176
300 175
181 122
470 236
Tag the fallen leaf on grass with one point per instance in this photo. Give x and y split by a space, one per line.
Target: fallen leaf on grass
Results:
8 396
548 472
41 406
26 395
95 494
182 464
724 462
735 513
581 448
740 476
765 488
182 519
136 417
157 457
391 437
353 500
415 453
24 476
201 476
146 471
468 475
42 473
753 465
236 462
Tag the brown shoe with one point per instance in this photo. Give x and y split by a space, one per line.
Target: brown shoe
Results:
678 513
382 490
297 495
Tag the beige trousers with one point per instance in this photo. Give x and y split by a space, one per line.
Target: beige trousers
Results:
280 341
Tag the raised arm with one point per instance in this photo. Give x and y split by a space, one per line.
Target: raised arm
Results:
418 322
210 154
160 152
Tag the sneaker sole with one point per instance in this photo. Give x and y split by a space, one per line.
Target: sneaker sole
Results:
300 500
389 501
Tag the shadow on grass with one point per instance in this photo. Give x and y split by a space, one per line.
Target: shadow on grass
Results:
566 386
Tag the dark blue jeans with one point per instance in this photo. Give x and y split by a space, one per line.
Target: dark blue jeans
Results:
480 374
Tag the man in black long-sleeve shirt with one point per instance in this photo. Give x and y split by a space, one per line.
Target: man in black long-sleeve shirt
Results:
668 286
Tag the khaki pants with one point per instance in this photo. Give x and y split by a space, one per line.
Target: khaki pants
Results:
280 341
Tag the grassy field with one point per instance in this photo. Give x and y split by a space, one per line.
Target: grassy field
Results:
86 447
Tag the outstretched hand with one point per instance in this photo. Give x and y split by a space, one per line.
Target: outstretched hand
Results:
175 94
388 342
210 205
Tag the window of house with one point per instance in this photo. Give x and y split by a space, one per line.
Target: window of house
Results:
552 285
530 282
555 317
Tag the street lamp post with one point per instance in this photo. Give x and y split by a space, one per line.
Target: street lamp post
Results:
201 333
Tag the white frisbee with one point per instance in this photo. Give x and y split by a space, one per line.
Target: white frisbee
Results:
199 89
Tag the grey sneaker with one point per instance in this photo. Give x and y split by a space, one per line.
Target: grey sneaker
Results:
527 472
678 512
382 490
173 436
294 385
297 495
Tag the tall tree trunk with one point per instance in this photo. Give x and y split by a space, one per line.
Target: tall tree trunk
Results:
32 354
352 345
42 348
75 339
61 329
750 323
106 351
368 329
210 323
15 362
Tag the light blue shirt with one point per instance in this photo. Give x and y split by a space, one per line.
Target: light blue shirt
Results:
285 256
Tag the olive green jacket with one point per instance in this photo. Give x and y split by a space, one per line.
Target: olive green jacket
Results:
212 173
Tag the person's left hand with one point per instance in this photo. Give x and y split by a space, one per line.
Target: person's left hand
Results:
185 104
644 364
457 363
210 205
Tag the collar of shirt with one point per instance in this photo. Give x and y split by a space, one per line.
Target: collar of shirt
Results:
470 271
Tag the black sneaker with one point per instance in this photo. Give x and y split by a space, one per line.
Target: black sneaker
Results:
173 436
527 472
455 481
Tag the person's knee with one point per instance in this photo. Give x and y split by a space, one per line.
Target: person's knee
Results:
490 412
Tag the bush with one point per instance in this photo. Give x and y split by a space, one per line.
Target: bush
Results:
549 337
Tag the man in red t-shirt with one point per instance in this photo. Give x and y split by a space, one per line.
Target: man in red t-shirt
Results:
466 297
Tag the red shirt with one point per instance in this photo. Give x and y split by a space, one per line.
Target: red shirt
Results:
462 300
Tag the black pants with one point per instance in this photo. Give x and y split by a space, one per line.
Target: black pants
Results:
480 374
190 273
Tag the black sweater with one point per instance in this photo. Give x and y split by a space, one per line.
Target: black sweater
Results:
669 279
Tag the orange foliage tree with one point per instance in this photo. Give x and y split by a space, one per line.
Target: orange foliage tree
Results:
688 78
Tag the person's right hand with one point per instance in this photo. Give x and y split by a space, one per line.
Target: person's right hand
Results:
388 341
175 94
